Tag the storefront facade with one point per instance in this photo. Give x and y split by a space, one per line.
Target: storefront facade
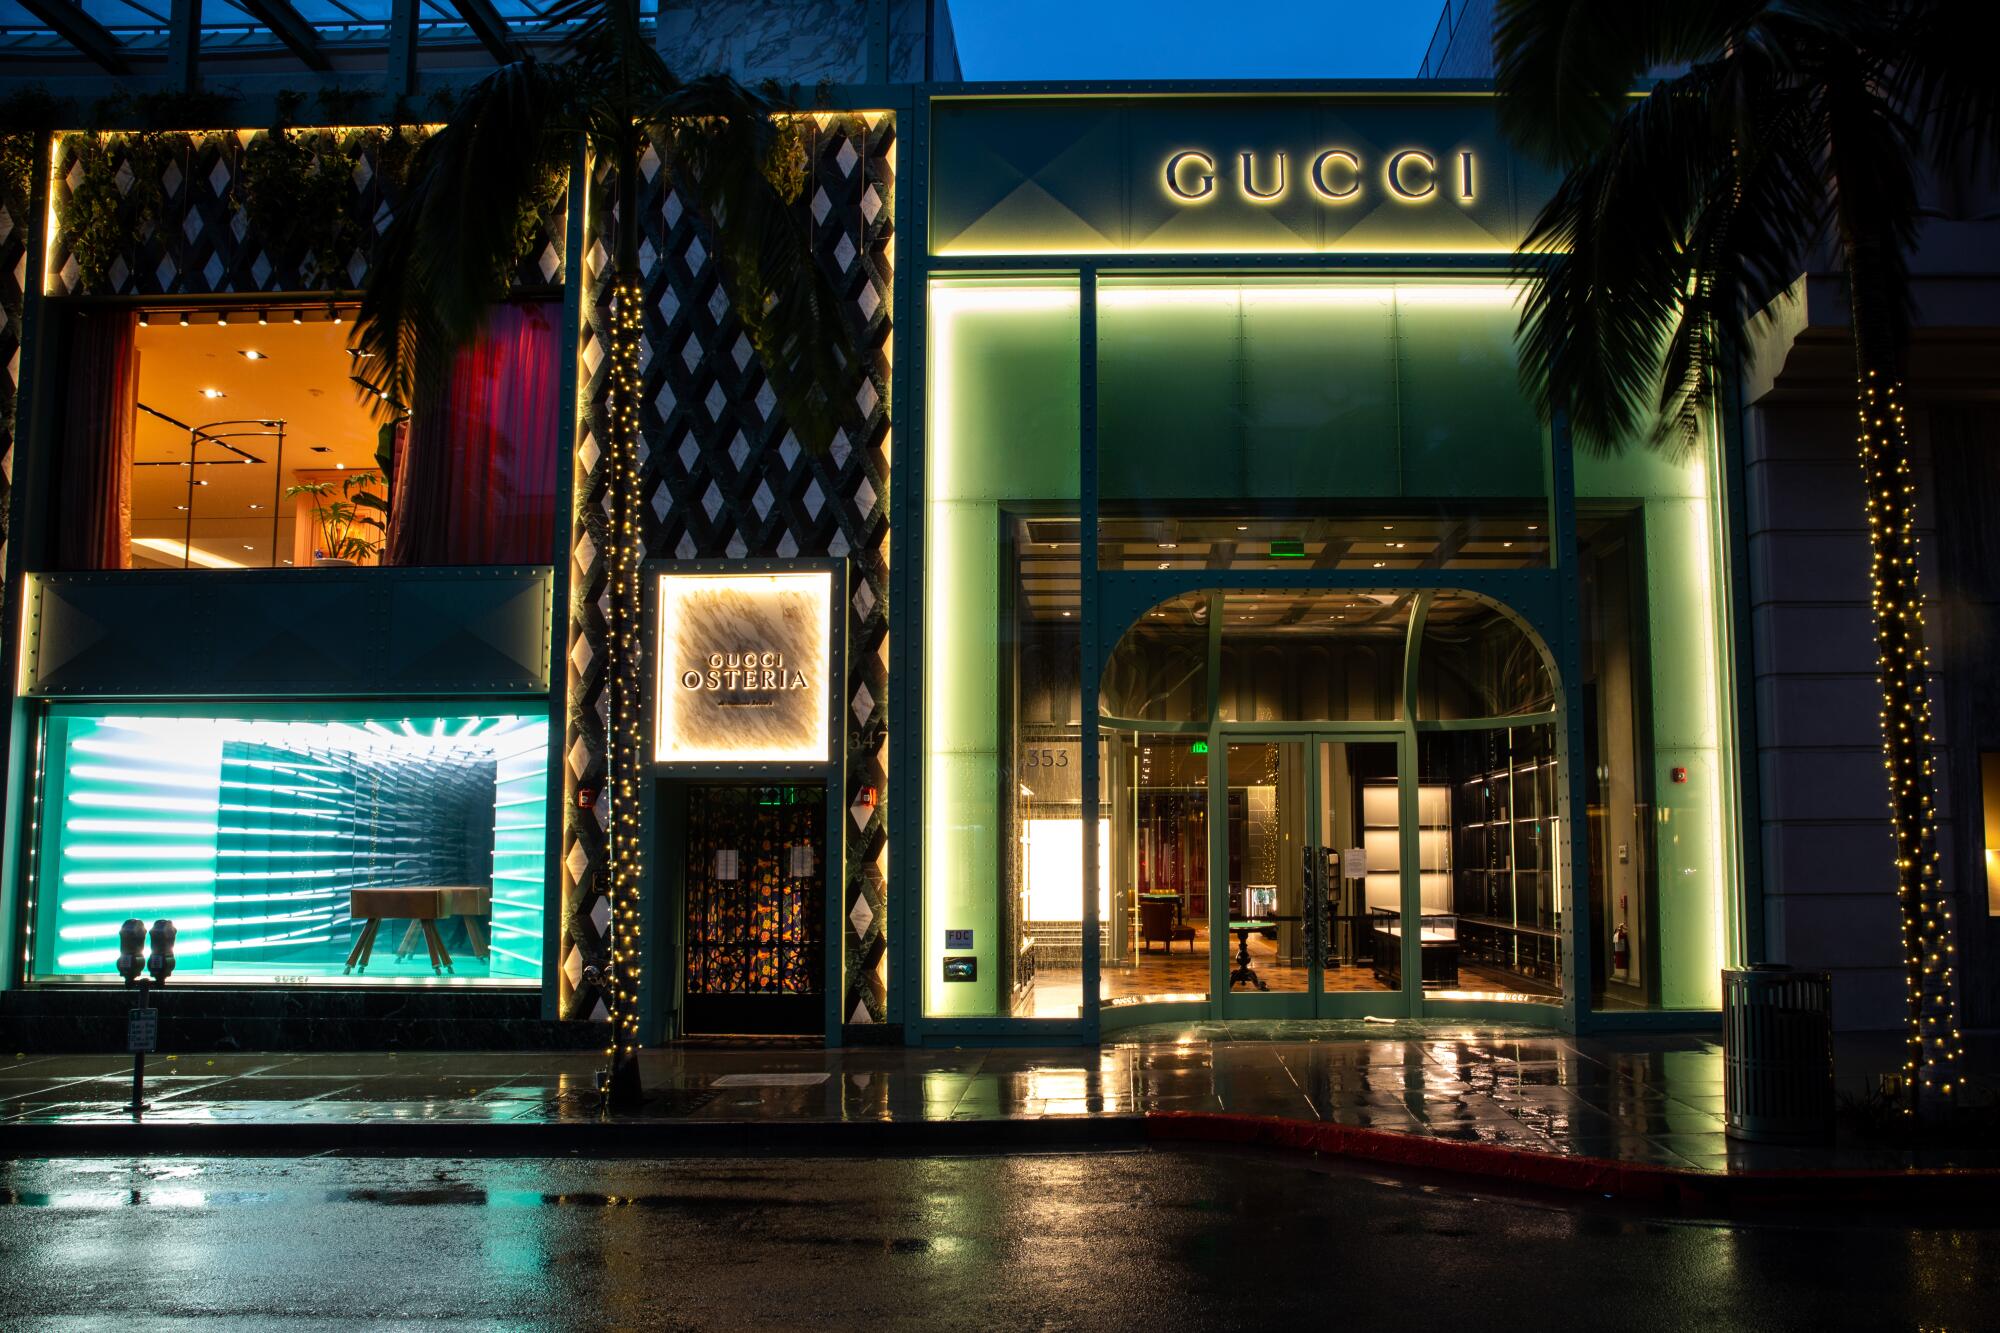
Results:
1233 641
1237 531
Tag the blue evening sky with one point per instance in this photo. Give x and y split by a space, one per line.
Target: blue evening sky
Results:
1193 39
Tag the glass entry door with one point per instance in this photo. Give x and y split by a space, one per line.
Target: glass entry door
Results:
1309 895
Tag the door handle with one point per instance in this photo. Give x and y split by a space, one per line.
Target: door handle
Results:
1311 892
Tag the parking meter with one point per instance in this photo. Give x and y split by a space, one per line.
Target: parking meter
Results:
131 949
161 961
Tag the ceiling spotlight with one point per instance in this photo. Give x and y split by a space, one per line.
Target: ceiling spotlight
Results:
184 319
252 354
248 547
212 393
298 317
201 483
145 320
256 506
263 317
181 507
1381 564
340 467
222 318
333 313
1506 543
1388 527
1065 613
1243 527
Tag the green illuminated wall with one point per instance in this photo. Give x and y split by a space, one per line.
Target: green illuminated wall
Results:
1296 389
250 835
1686 636
1004 412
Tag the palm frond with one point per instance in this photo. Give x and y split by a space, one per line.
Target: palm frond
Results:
1944 75
1566 69
443 261
1607 265
728 144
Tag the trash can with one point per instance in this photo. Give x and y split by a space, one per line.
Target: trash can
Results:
1777 1054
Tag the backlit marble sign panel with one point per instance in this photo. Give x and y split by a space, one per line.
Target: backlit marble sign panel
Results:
741 668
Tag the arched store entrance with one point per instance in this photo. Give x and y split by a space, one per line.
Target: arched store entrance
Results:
1331 804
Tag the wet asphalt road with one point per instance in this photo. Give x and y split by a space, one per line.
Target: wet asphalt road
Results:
1107 1240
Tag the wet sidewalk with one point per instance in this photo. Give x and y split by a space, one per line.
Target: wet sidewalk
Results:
1640 1101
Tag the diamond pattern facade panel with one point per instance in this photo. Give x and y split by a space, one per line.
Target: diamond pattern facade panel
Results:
181 214
13 271
724 478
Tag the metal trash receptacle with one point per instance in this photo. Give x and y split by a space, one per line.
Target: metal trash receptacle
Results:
1777 1054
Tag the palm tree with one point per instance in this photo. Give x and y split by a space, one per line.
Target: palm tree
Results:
1785 129
455 240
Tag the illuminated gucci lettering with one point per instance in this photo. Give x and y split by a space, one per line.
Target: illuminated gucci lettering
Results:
1250 190
1336 176
1348 168
744 671
1190 185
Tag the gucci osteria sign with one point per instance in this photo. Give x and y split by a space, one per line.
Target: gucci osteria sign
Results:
741 664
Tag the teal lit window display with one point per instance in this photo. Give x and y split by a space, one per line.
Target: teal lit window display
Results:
266 840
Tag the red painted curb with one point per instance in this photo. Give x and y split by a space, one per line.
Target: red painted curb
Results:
1680 1187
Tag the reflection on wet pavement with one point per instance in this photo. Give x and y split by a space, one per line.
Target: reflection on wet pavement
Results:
1646 1099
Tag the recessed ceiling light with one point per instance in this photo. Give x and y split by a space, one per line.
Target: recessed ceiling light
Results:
1381 564
1506 543
1065 613
1243 527
1534 527
248 547
212 393
340 467
1388 527
256 506
1163 564
252 354
181 507
1169 546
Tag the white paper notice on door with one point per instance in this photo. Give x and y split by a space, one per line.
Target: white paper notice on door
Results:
1354 863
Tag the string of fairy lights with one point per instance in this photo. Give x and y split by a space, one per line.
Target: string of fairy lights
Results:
626 675
1934 1043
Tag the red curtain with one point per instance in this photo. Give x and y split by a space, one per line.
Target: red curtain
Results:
475 479
100 421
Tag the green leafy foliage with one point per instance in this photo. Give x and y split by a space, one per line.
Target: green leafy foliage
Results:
352 517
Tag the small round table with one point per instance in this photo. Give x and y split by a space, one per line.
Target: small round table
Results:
1244 972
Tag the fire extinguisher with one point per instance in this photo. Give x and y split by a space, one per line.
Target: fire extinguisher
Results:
1621 949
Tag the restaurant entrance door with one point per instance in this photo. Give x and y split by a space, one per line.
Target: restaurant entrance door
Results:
1310 839
755 892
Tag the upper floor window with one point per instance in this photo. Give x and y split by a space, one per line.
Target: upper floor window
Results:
233 438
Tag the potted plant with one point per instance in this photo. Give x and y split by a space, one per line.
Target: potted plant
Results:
349 517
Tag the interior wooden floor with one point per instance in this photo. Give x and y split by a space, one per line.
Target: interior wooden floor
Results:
1182 974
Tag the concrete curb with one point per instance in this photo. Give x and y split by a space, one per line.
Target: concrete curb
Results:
623 1137
1684 1189
1677 1189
